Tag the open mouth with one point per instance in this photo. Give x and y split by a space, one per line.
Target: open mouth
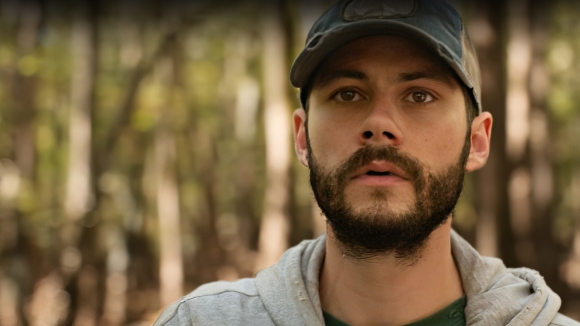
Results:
374 170
378 173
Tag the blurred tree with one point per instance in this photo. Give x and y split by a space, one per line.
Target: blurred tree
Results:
488 29
145 149
274 232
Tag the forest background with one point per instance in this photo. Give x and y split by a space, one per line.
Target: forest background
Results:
145 149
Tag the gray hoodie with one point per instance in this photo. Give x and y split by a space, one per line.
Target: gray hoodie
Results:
287 293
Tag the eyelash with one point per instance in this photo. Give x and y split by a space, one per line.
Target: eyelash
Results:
427 94
337 94
430 97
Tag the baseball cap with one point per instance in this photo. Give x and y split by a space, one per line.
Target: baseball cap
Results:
433 23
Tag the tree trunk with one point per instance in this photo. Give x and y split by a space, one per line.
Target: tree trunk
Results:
9 299
541 164
170 253
79 197
24 89
273 239
487 31
79 191
116 283
519 57
171 264
88 302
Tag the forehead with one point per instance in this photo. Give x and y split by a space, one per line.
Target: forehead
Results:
394 52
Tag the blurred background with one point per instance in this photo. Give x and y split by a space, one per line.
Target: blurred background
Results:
145 149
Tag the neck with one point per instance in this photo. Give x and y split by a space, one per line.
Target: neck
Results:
385 291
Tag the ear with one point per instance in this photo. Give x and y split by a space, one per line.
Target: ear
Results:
300 136
480 141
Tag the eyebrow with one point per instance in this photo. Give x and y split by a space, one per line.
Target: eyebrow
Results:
433 75
352 74
403 77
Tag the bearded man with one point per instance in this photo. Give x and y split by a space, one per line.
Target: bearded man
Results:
391 119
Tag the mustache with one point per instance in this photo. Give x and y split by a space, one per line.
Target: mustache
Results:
365 155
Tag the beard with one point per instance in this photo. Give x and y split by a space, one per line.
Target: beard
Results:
377 230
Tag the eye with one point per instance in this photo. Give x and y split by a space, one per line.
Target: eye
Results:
419 97
347 95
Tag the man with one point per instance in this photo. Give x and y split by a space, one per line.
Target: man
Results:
391 121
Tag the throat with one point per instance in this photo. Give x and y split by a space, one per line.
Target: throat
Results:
384 291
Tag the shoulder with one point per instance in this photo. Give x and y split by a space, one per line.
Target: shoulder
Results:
219 303
561 320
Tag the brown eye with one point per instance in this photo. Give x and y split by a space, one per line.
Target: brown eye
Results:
419 97
347 95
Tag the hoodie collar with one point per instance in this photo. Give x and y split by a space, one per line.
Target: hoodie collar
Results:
496 295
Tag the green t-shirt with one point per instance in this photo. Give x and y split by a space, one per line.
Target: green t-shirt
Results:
452 315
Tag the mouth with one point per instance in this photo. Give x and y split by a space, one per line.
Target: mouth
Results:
379 173
380 168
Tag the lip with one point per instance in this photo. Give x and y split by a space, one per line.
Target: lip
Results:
396 175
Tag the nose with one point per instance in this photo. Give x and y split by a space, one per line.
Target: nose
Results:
369 134
380 126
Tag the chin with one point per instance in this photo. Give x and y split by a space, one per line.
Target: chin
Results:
379 201
381 209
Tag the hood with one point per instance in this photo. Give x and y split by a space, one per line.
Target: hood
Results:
289 289
497 295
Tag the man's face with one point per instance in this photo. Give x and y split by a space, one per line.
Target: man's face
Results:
387 142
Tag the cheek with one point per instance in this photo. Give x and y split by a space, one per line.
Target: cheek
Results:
437 144
329 140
